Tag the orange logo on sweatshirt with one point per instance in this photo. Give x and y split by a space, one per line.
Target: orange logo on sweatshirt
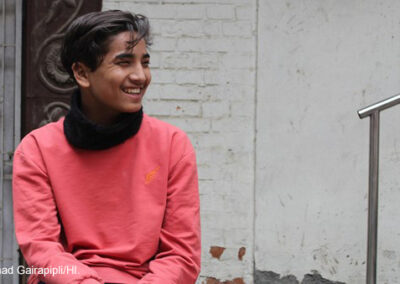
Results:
150 176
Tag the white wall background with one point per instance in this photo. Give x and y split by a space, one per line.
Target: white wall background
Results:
268 92
320 61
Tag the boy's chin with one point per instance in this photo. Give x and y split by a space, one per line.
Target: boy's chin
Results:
134 109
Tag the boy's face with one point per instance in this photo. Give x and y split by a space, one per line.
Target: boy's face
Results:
119 83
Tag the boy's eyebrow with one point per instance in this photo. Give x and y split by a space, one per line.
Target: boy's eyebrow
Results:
130 55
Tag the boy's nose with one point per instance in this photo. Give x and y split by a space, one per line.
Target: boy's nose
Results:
137 74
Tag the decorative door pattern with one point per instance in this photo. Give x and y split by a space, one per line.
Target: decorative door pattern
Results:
47 87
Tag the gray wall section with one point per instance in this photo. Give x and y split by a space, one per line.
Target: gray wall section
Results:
318 63
10 66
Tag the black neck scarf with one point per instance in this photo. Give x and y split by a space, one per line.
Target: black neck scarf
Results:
85 134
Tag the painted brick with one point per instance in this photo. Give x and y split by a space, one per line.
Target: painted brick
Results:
190 60
243 109
234 124
203 82
169 108
235 92
203 1
212 92
166 11
213 77
207 172
239 29
245 61
158 25
215 109
151 94
212 28
245 13
214 203
221 12
155 59
177 92
209 60
235 76
215 45
191 124
190 11
164 44
243 77
205 156
190 44
189 77
230 140
162 76
179 28
135 8
139 2
176 60
162 11
235 236
110 5
204 44
215 217
209 186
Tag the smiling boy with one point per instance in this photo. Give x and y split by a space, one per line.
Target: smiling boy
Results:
107 192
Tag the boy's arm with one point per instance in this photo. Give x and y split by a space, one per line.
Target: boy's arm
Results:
178 260
37 226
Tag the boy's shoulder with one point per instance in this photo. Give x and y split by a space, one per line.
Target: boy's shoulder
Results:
51 133
158 123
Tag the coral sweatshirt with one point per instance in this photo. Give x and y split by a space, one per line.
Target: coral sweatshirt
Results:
127 214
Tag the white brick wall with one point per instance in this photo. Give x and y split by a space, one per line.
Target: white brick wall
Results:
203 67
317 63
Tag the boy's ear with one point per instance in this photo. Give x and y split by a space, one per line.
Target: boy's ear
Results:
81 74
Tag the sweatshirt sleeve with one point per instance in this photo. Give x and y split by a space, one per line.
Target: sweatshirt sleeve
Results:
37 225
178 258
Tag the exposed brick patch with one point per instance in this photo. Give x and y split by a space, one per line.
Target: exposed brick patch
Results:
216 251
212 280
241 253
235 281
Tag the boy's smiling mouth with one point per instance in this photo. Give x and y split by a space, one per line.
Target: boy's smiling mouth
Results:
132 91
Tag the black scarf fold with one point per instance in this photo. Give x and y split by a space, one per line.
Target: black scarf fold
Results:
85 134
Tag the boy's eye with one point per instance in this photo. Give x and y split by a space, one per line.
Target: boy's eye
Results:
146 63
123 63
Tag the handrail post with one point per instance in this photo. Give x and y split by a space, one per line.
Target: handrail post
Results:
373 111
373 198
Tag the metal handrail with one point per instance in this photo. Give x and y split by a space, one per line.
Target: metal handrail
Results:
373 112
369 110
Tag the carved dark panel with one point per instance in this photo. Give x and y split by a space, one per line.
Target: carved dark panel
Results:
46 87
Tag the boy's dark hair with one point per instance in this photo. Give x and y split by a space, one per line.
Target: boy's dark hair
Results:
87 38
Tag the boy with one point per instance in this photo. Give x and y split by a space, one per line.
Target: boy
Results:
108 194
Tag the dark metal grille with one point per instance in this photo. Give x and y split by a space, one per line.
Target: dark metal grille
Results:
10 68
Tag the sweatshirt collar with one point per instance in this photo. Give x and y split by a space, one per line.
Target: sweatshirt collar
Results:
85 134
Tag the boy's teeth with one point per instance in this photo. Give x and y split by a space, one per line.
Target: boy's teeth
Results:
132 90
